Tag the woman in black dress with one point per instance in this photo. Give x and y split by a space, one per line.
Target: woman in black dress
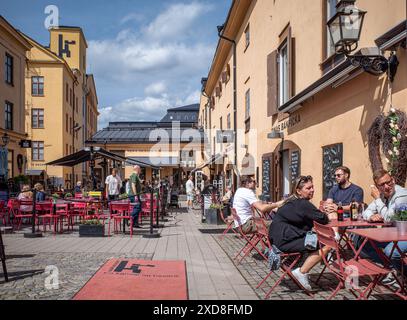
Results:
292 222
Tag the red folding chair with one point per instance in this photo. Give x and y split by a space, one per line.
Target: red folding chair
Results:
24 211
61 215
44 211
120 211
3 212
345 269
251 240
229 225
78 209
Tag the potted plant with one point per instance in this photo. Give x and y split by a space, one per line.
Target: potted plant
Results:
55 197
213 213
68 195
400 218
91 228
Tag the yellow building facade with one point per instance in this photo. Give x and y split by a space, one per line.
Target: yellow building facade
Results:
315 105
13 48
61 104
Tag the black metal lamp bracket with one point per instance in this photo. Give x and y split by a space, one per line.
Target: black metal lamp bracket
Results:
376 64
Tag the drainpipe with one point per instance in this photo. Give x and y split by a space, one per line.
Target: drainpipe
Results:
220 29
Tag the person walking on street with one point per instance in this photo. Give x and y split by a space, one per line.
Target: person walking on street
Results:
134 192
113 184
189 187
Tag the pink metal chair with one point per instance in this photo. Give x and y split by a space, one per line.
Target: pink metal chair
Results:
61 215
24 211
229 226
120 211
342 268
3 213
44 212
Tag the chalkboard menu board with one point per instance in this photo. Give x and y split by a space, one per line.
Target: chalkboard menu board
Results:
295 165
266 176
332 157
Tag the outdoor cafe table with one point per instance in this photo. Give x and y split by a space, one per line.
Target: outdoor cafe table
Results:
347 223
384 235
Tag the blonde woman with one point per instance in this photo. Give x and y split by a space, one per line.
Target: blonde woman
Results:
40 193
26 195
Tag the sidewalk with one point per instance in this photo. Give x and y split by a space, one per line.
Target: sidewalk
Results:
211 273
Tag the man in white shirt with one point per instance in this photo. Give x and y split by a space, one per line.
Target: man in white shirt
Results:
387 195
189 186
243 201
113 184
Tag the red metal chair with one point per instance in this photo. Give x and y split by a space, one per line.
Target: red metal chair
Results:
251 240
61 215
229 225
44 212
344 269
3 212
78 195
120 211
78 209
24 211
146 205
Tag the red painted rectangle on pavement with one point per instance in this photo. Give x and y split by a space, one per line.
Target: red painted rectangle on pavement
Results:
132 279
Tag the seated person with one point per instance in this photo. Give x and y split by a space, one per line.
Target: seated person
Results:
78 187
292 222
40 194
26 195
386 195
244 198
344 191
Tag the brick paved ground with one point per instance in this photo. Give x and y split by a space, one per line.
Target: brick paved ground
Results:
211 272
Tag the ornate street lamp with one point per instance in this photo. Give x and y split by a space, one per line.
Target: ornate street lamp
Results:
5 139
345 28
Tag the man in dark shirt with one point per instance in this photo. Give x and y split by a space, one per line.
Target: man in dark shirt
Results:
343 192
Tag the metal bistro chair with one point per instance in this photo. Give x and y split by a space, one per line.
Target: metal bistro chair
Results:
45 214
120 211
343 268
24 211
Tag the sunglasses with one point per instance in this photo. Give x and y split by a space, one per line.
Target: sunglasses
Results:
303 179
338 174
389 183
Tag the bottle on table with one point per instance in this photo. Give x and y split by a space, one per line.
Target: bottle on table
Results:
340 211
354 212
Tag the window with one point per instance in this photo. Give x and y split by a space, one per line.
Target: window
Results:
37 120
228 121
66 149
247 36
283 83
37 86
38 150
70 97
220 122
67 92
330 12
8 115
247 111
66 122
9 69
10 163
70 125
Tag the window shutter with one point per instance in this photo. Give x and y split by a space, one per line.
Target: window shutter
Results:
272 84
290 54
217 90
224 76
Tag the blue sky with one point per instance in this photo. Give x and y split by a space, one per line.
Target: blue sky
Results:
146 56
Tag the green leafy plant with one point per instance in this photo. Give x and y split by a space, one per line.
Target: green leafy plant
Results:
218 206
21 179
55 196
123 196
400 213
92 222
68 195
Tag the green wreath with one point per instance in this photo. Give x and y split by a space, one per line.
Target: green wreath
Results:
389 132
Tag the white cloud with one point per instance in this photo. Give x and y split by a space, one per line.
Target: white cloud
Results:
176 20
161 64
137 17
157 88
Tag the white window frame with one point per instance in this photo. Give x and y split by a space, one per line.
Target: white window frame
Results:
283 76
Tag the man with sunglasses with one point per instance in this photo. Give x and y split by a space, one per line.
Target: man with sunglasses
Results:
244 199
387 195
344 191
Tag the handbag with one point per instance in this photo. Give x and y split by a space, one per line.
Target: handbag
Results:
311 241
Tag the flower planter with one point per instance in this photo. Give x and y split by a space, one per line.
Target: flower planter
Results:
91 230
213 216
401 226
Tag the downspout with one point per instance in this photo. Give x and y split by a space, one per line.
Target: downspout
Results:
220 29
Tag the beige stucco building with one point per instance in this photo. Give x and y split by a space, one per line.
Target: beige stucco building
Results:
61 104
13 49
289 80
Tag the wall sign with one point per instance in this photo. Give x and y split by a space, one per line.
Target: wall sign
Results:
290 122
295 165
266 175
25 143
332 157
